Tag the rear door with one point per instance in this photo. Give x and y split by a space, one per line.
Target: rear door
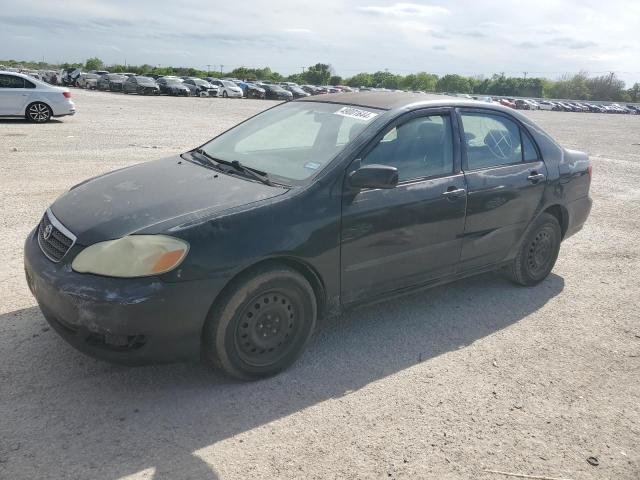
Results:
505 177
408 235
14 95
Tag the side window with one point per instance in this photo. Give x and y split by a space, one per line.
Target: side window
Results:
422 147
530 152
9 81
28 84
491 140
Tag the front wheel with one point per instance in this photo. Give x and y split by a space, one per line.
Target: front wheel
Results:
538 252
261 325
224 94
38 112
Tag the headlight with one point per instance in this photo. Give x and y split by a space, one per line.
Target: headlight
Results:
132 256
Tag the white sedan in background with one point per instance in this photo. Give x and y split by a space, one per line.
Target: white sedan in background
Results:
545 105
226 88
24 96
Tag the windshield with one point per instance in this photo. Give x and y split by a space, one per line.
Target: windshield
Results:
145 80
227 83
116 77
292 141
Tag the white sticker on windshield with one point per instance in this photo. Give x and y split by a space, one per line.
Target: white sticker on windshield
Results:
356 113
312 165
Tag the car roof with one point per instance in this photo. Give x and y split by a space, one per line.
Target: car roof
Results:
384 100
393 100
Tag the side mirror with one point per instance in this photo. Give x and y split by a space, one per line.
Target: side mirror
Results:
374 176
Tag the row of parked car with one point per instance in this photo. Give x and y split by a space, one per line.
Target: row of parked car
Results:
559 106
151 84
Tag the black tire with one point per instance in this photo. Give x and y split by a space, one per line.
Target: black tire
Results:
38 112
224 94
538 252
260 325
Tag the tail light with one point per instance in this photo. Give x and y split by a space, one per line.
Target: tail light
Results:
66 94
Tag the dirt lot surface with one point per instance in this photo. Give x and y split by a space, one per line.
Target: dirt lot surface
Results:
474 376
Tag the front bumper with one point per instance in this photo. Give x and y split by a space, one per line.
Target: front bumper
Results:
255 94
129 321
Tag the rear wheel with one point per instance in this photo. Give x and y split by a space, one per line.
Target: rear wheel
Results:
224 94
538 252
38 112
261 325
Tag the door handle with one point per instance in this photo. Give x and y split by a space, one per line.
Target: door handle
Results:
453 192
535 177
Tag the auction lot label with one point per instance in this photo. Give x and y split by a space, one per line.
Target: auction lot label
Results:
356 113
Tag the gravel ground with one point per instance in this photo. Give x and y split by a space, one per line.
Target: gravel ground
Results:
448 383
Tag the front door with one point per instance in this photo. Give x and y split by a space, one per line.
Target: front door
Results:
13 95
506 178
411 234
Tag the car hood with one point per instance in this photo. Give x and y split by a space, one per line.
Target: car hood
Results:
168 191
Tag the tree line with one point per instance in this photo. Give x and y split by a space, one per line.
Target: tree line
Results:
579 86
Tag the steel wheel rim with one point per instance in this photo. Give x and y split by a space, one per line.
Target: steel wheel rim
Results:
267 327
39 112
540 253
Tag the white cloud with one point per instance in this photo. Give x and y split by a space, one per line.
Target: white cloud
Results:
406 10
439 36
297 30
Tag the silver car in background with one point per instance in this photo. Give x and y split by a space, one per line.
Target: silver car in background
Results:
38 102
88 81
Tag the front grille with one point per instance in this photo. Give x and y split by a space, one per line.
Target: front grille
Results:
58 239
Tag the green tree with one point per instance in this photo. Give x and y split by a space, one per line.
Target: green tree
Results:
335 80
634 93
419 81
385 80
572 87
94 64
361 80
454 84
296 77
606 87
318 74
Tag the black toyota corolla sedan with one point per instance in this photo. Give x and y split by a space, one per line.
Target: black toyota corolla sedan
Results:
232 251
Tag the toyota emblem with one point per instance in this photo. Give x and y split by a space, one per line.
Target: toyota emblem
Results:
47 232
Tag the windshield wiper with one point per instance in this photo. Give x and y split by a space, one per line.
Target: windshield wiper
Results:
216 162
257 174
204 158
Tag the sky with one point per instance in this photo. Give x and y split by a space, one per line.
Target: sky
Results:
543 38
